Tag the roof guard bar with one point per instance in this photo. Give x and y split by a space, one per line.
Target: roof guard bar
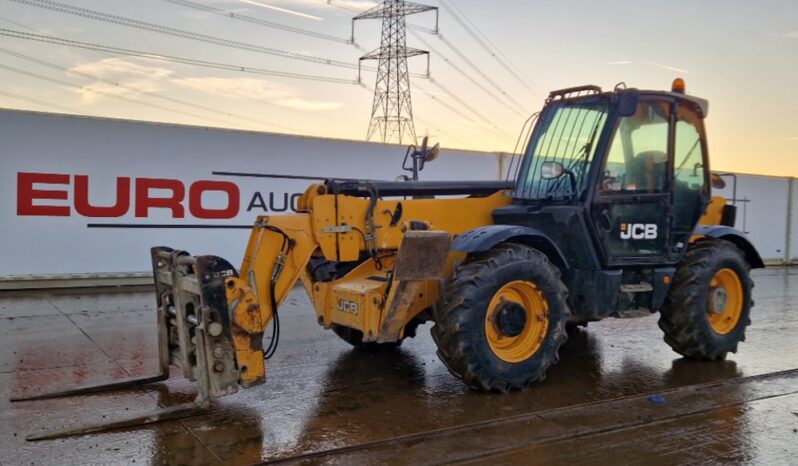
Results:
580 91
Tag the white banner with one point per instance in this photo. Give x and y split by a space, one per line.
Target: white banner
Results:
86 195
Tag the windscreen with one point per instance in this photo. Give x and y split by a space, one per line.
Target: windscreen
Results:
567 133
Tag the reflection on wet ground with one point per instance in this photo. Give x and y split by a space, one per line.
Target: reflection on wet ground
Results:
403 406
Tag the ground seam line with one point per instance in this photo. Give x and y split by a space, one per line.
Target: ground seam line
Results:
89 337
611 429
128 374
509 419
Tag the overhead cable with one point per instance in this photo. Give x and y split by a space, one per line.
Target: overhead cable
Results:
485 42
463 73
169 58
147 26
258 21
136 89
43 103
481 73
32 74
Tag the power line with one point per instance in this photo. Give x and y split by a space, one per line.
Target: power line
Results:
416 27
446 105
114 52
95 91
169 58
440 131
343 7
492 127
10 21
258 21
450 63
485 42
45 104
445 59
139 90
463 73
114 96
370 90
479 71
143 25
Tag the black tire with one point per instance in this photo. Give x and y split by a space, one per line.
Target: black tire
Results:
459 330
355 337
684 317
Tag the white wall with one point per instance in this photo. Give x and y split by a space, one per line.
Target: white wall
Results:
762 212
793 256
107 149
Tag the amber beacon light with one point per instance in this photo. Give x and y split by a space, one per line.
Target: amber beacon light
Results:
678 85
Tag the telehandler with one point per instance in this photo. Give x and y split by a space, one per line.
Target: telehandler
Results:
609 214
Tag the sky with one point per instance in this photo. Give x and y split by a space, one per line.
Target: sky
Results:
491 66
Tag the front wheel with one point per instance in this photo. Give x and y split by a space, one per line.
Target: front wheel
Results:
502 319
709 304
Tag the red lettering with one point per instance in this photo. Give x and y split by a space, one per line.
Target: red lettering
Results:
83 207
144 202
195 199
26 194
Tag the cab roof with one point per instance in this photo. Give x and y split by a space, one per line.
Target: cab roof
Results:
591 90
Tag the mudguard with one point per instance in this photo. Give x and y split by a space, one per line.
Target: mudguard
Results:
735 236
483 238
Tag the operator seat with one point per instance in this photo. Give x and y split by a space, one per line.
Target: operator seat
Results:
649 171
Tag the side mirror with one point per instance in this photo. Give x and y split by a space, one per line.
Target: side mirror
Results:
433 153
551 170
718 182
627 102
420 156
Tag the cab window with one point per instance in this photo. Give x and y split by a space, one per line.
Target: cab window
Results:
637 159
690 181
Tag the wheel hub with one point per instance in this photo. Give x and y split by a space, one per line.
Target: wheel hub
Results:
516 321
718 298
510 319
725 301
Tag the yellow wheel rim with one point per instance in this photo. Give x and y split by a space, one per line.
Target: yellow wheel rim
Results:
535 323
725 301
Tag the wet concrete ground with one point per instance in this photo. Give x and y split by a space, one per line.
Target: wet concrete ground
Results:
325 403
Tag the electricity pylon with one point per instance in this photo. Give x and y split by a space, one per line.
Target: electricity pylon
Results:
392 110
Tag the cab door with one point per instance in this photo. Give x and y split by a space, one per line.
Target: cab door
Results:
631 207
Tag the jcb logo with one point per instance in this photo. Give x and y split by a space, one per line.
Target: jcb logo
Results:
350 307
638 231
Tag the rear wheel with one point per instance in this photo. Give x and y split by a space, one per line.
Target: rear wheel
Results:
709 304
502 319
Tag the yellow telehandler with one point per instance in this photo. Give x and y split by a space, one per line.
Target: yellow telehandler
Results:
608 213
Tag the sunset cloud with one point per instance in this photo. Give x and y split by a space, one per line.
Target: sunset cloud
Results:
258 89
121 68
93 93
128 72
242 87
309 105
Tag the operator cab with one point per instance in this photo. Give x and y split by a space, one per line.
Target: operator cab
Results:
626 171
